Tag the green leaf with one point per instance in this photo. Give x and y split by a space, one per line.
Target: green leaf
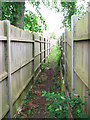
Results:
29 111
50 107
44 93
47 99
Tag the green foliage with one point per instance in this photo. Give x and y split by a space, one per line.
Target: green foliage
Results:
24 111
40 80
53 36
37 22
52 54
71 8
81 10
57 83
31 93
88 91
57 105
55 74
55 55
58 55
68 9
32 23
44 65
11 11
29 111
52 88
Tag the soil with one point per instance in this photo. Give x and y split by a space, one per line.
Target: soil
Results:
34 105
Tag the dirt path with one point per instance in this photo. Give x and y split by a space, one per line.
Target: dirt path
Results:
34 104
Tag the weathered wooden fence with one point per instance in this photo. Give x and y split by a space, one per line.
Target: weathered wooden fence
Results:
75 45
28 52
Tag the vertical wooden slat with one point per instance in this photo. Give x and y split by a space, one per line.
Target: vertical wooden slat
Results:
89 56
9 67
74 19
20 64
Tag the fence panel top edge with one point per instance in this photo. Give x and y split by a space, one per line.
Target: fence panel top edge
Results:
2 28
82 27
20 33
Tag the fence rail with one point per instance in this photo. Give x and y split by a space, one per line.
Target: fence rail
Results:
28 51
75 46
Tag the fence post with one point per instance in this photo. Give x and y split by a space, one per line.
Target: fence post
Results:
33 53
74 19
49 47
65 50
40 51
7 23
44 50
89 57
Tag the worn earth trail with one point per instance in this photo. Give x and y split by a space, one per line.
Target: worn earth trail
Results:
34 104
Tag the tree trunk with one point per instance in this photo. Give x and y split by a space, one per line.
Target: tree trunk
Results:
21 16
20 23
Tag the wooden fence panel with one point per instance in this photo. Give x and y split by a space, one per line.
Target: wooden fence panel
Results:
3 73
69 72
82 28
42 49
81 51
28 51
82 56
2 57
1 29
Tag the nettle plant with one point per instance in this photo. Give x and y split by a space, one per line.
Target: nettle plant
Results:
57 105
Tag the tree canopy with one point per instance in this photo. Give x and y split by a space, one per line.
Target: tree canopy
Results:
31 23
15 13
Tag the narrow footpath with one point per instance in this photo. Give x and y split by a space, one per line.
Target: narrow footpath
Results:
34 104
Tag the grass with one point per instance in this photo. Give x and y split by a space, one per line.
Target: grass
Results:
55 55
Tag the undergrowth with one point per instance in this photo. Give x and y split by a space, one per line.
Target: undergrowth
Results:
54 56
57 105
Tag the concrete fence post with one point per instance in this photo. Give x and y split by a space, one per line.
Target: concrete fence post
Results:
74 19
7 23
89 57
65 51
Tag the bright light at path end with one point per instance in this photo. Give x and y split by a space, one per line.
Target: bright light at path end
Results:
53 19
